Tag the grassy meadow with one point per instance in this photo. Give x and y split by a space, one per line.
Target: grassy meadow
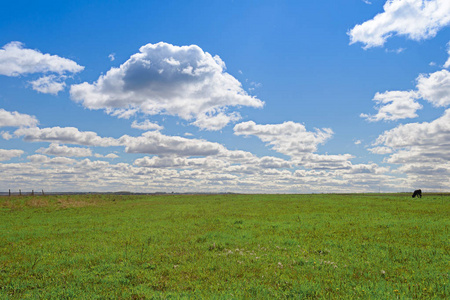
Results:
329 246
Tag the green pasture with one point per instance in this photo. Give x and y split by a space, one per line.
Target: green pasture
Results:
328 246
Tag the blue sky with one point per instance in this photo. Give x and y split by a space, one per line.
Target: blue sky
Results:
225 96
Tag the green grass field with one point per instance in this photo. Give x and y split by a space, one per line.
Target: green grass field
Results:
369 246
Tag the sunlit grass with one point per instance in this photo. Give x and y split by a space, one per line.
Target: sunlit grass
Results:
225 246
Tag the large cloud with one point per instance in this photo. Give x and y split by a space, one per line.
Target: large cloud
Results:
16 119
166 79
416 19
288 138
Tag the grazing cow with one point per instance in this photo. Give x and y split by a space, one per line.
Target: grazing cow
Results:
417 193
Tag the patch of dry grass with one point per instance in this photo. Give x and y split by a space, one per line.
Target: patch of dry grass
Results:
70 203
37 202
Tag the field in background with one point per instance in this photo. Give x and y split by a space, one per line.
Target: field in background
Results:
225 246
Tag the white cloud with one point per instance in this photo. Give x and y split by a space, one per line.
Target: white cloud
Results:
42 159
397 51
112 156
415 19
15 60
50 84
166 79
380 150
422 151
287 138
153 142
447 63
425 134
320 161
6 135
357 142
65 135
207 174
435 87
15 119
112 56
211 121
366 1
58 150
180 162
270 162
8 154
146 125
394 105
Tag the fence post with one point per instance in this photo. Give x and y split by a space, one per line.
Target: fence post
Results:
43 193
9 192
32 192
20 192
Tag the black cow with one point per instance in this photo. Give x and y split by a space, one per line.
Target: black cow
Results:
417 193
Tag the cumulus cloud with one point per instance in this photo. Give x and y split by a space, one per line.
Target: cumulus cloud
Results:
61 150
42 159
415 19
380 150
432 133
146 125
394 105
15 119
320 161
288 138
65 135
112 156
166 79
210 121
422 151
270 162
15 60
191 174
180 162
435 87
6 135
50 84
8 154
153 142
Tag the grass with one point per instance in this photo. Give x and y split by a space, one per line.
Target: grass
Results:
378 246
